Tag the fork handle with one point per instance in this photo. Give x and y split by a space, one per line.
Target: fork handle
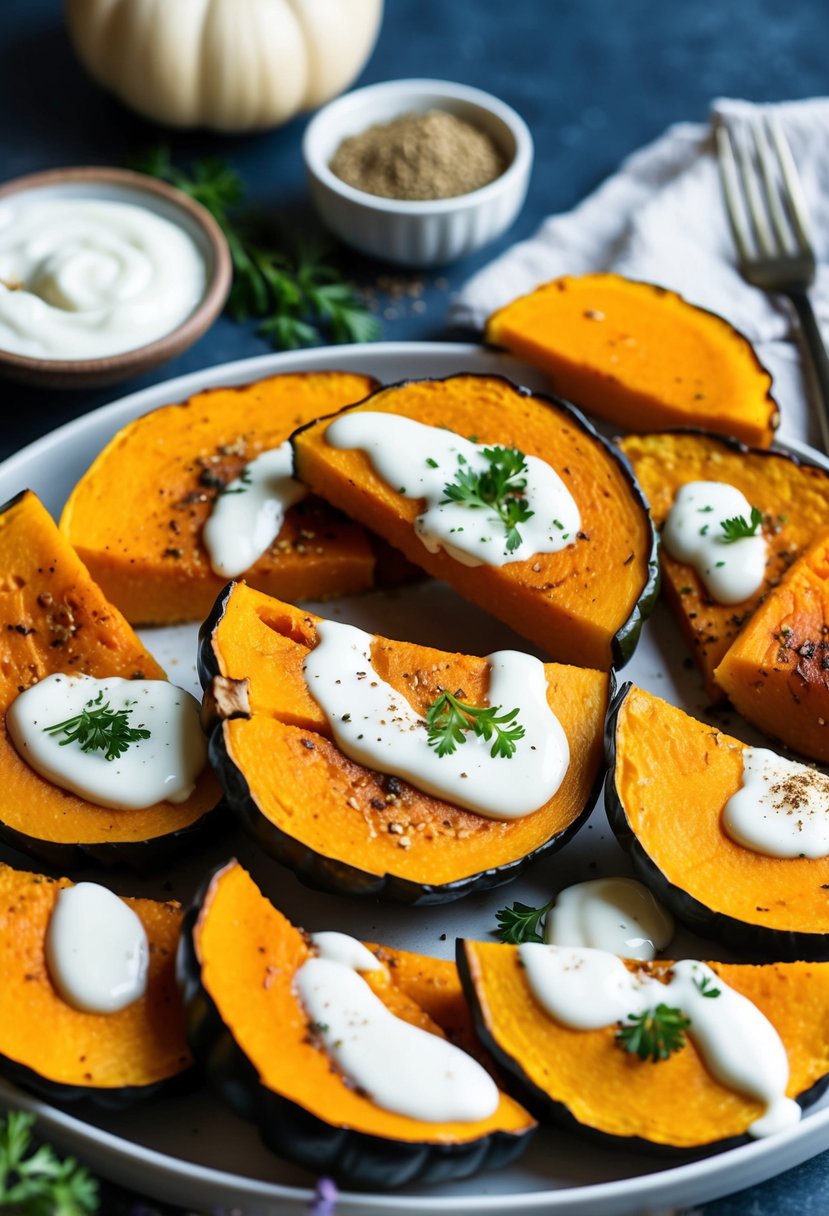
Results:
813 340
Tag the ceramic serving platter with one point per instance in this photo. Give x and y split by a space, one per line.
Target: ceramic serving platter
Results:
194 1152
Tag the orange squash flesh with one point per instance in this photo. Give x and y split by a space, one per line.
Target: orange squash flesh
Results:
307 789
670 779
583 604
136 517
794 500
583 1076
776 673
249 954
53 618
46 1043
640 356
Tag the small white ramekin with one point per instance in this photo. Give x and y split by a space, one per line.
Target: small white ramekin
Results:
423 233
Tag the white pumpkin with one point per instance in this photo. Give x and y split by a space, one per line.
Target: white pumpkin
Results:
234 65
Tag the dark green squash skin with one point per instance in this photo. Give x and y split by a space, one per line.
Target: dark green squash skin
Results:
626 637
351 1157
548 1110
115 1097
756 940
327 873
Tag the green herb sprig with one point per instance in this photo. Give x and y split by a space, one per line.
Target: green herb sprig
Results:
706 986
738 529
99 728
655 1034
521 922
448 719
497 489
298 297
35 1181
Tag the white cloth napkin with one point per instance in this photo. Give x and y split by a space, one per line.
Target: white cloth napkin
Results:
661 218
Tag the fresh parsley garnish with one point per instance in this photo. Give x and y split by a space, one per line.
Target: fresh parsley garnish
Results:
738 529
99 728
498 488
35 1181
520 923
705 986
298 297
245 479
655 1034
448 719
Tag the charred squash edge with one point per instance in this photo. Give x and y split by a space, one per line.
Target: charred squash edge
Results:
547 1110
326 873
758 940
291 1131
625 639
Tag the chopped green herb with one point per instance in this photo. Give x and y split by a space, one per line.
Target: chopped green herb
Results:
245 479
99 728
520 923
499 488
738 529
705 986
448 719
705 510
433 464
704 530
655 1034
473 438
718 564
36 1182
318 1027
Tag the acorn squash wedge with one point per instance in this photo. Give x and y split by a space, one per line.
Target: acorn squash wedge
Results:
63 1054
53 618
640 356
345 828
794 500
583 1080
668 780
136 516
238 959
584 604
776 672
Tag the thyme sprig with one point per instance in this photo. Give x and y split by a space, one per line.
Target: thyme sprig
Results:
655 1034
35 1181
521 922
498 488
449 719
738 529
99 728
296 294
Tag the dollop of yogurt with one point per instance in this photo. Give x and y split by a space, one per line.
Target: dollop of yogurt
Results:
781 808
96 949
619 915
731 571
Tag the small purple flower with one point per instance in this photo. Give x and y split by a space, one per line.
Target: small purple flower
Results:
325 1198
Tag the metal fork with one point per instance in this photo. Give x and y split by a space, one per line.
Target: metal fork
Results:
767 212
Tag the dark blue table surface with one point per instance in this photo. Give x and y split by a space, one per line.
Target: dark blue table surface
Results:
595 79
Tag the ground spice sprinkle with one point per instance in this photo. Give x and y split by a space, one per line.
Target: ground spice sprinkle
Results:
419 157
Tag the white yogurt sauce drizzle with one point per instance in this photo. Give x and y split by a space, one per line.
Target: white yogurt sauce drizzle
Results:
615 914
693 533
418 461
375 725
85 278
781 809
402 1068
248 514
591 989
162 768
96 950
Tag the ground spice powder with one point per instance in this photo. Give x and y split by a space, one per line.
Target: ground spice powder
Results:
419 156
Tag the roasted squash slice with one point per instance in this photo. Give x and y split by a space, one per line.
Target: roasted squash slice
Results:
584 604
669 778
794 500
640 356
776 672
136 517
63 1054
53 618
583 1080
343 827
237 965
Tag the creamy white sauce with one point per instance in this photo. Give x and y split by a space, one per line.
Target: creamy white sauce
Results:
375 725
162 768
341 948
401 1067
693 534
591 989
248 515
615 914
85 278
96 950
781 809
418 461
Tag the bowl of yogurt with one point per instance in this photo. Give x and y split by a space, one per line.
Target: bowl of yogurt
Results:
104 274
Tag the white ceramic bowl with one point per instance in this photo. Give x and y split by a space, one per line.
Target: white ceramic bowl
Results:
422 233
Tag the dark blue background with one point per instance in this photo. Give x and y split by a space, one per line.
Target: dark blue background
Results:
594 79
